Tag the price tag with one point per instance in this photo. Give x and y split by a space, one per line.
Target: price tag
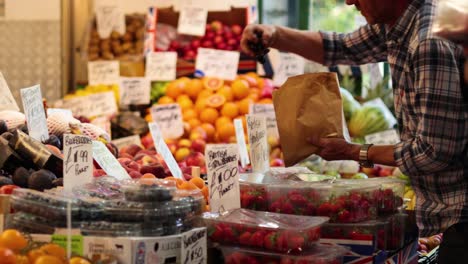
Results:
108 162
78 161
388 137
103 72
76 242
289 65
127 141
193 248
217 63
92 105
169 119
223 176
104 123
192 20
67 112
163 149
109 17
35 113
134 90
268 111
7 102
257 131
161 66
243 153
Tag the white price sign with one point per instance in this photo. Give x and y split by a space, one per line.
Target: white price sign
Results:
169 119
35 113
127 141
67 112
243 153
217 63
289 65
388 137
161 66
163 149
92 105
134 90
268 111
223 176
7 102
108 162
78 161
103 72
192 20
257 131
193 248
109 17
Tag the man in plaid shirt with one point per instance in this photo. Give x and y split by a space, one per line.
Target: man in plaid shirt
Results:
430 107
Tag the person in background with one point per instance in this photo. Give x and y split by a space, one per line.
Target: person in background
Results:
432 114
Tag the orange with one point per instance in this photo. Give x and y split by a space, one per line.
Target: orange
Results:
215 100
78 260
212 83
54 250
209 130
254 94
198 182
244 105
194 122
230 110
7 256
13 240
209 115
200 104
222 121
194 87
188 114
148 176
226 91
240 88
165 100
205 93
265 101
226 131
205 192
185 185
48 260
174 89
185 102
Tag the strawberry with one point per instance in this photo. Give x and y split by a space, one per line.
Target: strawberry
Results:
269 241
287 260
215 233
275 207
313 234
360 236
324 209
235 258
287 208
282 242
296 243
388 192
251 260
257 239
344 216
314 196
247 199
298 200
229 234
244 239
310 209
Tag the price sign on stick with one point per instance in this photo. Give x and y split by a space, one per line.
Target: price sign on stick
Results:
35 113
103 72
7 102
78 161
134 90
108 162
163 149
161 66
243 153
109 17
169 119
289 65
193 248
92 105
257 131
192 20
223 176
217 63
268 111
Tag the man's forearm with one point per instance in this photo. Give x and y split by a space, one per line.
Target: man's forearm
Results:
308 44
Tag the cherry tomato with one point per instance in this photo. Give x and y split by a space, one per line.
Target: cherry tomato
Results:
7 189
46 259
78 260
7 256
13 240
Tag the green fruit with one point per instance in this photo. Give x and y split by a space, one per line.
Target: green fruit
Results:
368 120
359 176
350 105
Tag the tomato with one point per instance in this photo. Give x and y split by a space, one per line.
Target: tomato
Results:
54 250
48 260
7 189
7 256
34 254
22 259
13 240
78 260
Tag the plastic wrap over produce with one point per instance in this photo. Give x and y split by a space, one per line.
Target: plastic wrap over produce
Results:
452 20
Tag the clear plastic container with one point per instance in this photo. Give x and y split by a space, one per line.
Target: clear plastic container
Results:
114 229
105 187
29 223
51 207
253 196
149 190
264 230
374 231
330 254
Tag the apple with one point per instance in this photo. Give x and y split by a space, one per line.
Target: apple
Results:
218 39
385 172
277 163
190 55
132 150
129 164
228 47
149 159
232 42
155 169
207 44
228 35
209 36
195 159
174 44
221 46
216 25
135 174
198 145
147 140
195 44
236 29
359 175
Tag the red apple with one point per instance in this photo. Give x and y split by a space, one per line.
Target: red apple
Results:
195 159
155 169
221 46
236 29
99 173
198 145
218 39
207 44
385 172
209 36
277 163
229 47
228 35
232 42
132 150
195 44
147 140
190 55
135 174
174 44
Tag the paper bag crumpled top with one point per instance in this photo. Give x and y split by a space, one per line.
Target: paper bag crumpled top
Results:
308 106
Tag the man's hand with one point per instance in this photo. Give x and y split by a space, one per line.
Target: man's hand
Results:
336 149
269 35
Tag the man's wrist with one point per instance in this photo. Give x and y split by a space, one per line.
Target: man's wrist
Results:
353 152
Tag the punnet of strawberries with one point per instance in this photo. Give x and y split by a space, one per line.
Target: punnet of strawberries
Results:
321 254
264 230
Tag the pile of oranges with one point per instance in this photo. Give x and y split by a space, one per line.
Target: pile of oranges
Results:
209 105
194 184
15 248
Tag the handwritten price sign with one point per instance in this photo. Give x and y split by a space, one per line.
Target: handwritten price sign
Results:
78 161
35 113
257 131
169 119
161 66
217 63
268 111
103 72
193 248
192 20
163 149
289 65
109 17
108 162
223 176
134 90
127 141
7 102
92 105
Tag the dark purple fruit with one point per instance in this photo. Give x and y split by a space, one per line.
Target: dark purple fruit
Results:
113 149
5 181
7 135
58 182
21 176
54 141
41 180
3 126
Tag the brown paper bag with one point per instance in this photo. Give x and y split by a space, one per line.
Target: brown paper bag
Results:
308 106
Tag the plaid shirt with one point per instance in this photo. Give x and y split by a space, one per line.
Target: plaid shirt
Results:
431 113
